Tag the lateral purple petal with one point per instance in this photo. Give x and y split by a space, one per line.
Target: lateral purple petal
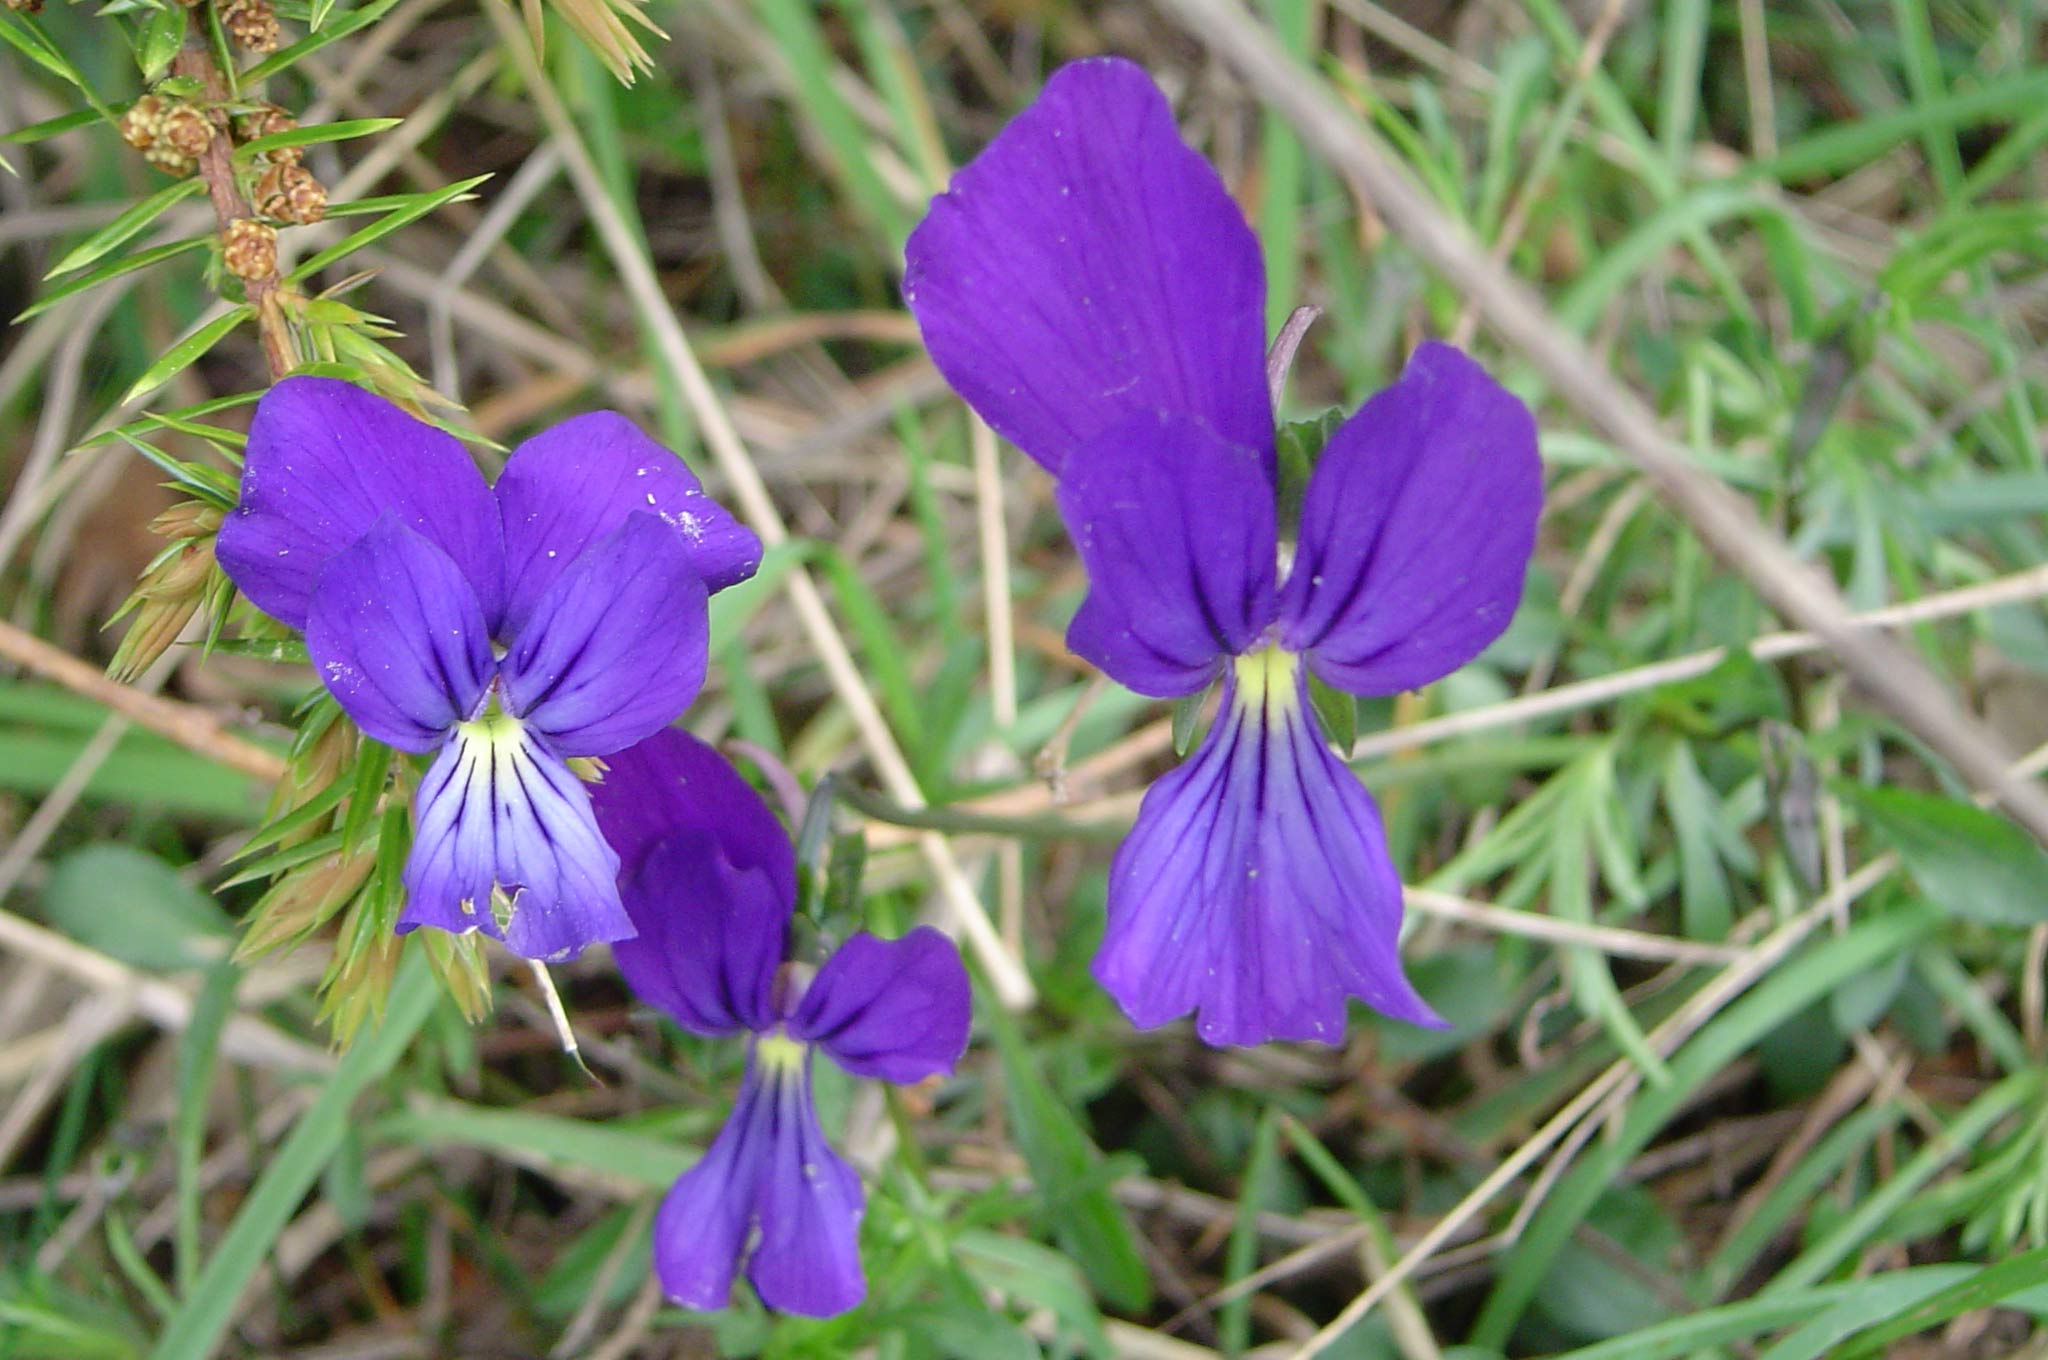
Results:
674 782
615 648
1416 529
325 460
711 936
808 1208
701 1230
498 808
896 1010
1176 529
571 485
397 635
1088 265
1255 889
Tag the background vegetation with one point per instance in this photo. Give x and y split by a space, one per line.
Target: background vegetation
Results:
1750 1054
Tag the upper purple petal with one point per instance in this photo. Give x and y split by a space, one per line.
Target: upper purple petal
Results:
615 648
575 483
711 936
674 782
1176 529
498 808
1255 888
1416 529
325 460
397 635
1088 265
808 1206
897 1010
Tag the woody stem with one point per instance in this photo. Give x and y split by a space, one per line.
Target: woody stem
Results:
217 169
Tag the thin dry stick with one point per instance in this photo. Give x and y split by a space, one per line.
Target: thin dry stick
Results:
186 724
994 536
1893 677
1634 944
1006 974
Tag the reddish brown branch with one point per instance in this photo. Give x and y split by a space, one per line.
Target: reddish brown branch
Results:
217 169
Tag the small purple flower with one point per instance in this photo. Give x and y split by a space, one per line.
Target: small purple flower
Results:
562 613
709 878
1091 289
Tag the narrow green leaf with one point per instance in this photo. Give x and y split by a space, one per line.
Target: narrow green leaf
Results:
419 206
196 1052
313 135
1971 863
49 127
189 350
128 225
1241 1257
160 40
1084 1217
208 1309
142 259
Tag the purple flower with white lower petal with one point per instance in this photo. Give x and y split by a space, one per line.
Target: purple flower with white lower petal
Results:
1091 289
507 629
709 878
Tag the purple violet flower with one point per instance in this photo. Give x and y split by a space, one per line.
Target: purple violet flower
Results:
1091 289
709 877
562 613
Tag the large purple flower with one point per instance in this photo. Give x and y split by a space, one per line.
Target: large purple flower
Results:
710 880
1091 289
560 614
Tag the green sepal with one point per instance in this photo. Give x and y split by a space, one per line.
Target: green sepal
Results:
1298 444
1338 712
1187 717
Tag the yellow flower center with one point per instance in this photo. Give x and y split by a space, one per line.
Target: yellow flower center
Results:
778 1053
1266 682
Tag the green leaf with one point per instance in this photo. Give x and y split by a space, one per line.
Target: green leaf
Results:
415 207
131 905
128 225
49 127
197 1050
187 351
207 1310
1971 863
313 135
161 37
1082 1213
1035 1276
285 57
142 259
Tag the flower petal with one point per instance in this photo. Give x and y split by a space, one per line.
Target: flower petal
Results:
897 1010
808 1206
701 1231
616 647
1416 529
498 808
711 936
573 484
1176 529
674 782
1255 888
397 635
325 461
1088 265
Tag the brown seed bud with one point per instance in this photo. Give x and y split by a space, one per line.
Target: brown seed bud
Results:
289 193
142 122
250 251
301 901
26 6
165 599
185 130
251 23
268 121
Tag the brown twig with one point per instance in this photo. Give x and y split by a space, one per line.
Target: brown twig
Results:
217 168
1893 677
191 727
